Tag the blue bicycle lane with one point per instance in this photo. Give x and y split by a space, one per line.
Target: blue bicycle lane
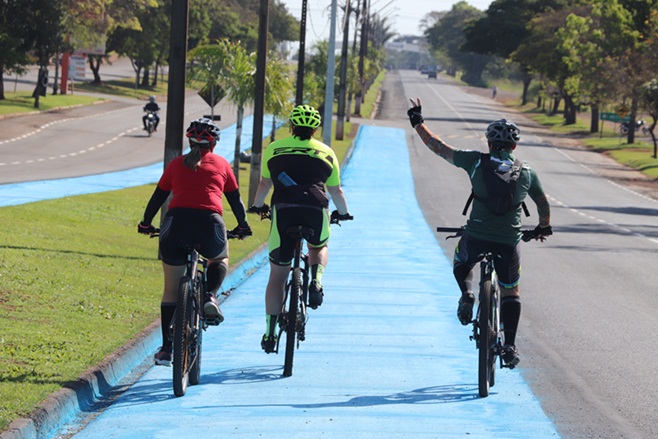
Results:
384 355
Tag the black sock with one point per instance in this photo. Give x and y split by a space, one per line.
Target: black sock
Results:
167 311
510 312
216 275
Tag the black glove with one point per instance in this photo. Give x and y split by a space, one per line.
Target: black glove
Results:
262 209
543 230
240 232
146 229
337 217
415 116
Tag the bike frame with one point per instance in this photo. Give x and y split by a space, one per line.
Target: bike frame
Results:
188 324
294 317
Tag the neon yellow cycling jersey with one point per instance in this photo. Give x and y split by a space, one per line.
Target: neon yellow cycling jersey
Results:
299 169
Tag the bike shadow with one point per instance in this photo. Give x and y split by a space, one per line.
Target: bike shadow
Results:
244 375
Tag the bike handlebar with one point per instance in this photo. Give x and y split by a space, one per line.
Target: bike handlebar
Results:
156 233
527 235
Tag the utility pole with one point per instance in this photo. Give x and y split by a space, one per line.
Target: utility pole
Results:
362 54
259 101
342 84
176 85
299 98
329 90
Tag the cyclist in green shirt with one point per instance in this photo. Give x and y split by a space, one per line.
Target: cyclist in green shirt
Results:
488 230
299 168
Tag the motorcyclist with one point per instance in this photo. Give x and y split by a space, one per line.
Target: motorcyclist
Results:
153 108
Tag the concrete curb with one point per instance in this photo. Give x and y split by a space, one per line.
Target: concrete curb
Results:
101 381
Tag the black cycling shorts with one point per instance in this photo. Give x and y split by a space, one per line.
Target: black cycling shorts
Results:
507 262
282 246
192 226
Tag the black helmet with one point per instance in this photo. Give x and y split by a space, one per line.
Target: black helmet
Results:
203 131
503 130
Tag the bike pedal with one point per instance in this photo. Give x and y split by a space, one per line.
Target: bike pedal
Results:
213 322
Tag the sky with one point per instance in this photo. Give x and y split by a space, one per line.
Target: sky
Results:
405 15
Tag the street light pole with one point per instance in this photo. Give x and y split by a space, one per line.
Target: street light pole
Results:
329 90
259 101
299 98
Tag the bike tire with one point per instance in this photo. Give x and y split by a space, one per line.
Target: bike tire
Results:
195 313
182 333
485 341
291 324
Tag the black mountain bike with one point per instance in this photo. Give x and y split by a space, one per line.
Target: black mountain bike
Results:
189 321
487 333
293 316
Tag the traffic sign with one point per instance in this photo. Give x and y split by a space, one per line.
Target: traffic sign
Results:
614 117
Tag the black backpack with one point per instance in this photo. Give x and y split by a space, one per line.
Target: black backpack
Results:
501 187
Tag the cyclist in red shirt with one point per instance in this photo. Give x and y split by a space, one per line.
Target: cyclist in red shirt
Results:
198 180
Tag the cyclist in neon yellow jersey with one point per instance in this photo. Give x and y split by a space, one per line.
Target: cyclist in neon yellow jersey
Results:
495 222
299 168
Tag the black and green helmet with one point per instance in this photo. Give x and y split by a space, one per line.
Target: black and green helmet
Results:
305 116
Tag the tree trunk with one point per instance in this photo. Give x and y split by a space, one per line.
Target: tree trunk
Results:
527 78
95 62
594 123
569 110
238 135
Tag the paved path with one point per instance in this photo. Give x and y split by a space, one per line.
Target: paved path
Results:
384 357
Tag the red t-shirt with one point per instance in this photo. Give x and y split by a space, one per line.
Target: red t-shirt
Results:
200 189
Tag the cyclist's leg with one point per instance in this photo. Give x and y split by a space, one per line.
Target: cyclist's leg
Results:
173 267
318 253
211 233
280 254
508 269
466 255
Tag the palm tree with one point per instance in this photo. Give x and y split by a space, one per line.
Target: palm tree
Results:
233 69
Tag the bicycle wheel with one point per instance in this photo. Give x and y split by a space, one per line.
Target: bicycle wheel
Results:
291 323
486 339
496 341
195 369
182 338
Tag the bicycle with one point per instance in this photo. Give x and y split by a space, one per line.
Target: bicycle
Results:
189 322
487 333
293 315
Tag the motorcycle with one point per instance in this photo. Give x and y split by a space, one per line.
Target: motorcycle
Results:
150 123
639 125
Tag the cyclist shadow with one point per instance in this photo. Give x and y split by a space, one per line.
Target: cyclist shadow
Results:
425 395
244 375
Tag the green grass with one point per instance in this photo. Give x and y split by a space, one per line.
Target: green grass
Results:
124 88
77 282
23 102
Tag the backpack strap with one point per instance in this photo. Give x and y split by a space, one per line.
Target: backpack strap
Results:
472 195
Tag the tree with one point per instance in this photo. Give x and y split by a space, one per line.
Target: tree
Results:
233 68
591 44
503 27
650 104
45 20
16 39
447 36
279 90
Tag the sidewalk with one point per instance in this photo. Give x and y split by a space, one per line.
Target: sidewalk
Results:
384 357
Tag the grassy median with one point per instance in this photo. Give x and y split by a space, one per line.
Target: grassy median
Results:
77 282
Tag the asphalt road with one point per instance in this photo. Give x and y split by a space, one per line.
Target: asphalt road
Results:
590 307
589 303
89 140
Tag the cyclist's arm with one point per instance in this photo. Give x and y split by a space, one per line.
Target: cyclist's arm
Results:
537 194
338 197
235 202
435 144
155 203
261 192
